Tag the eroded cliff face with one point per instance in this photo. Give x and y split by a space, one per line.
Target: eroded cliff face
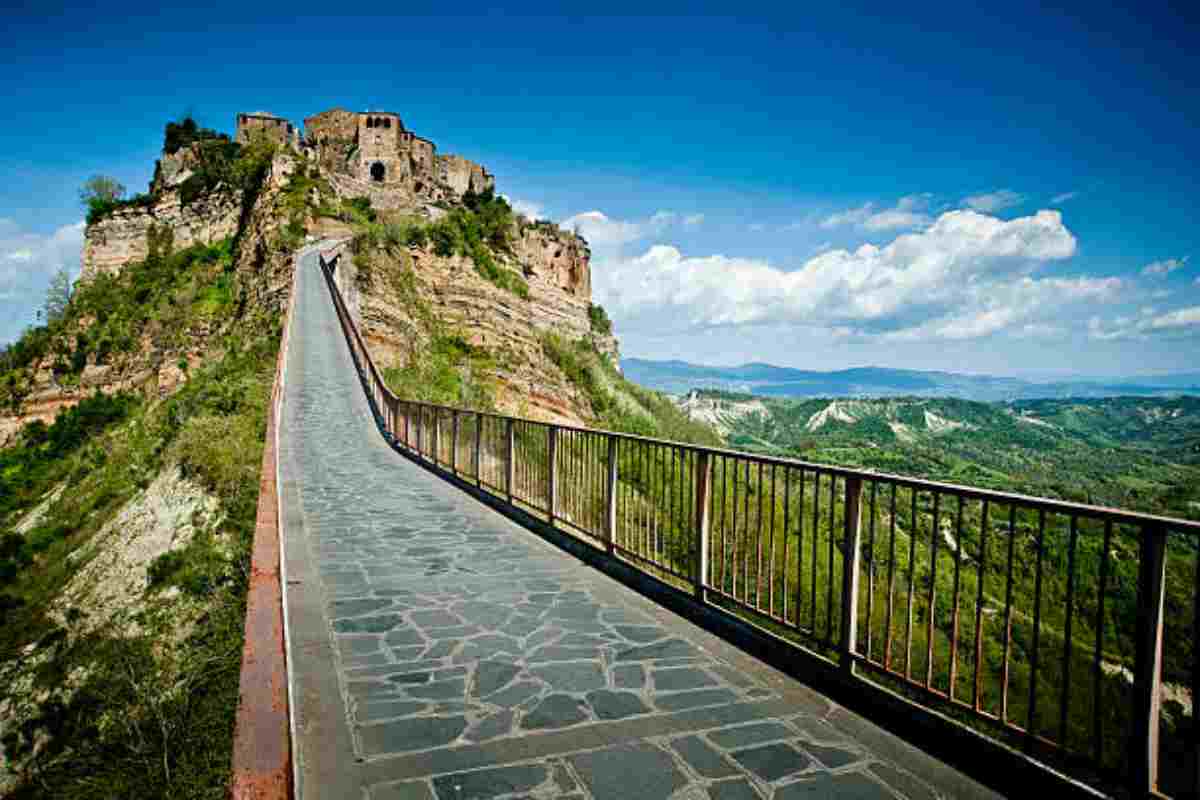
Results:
120 238
162 357
403 297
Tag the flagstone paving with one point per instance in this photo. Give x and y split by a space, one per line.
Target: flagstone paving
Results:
439 651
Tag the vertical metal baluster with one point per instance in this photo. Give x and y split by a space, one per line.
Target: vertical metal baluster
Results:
799 549
758 542
771 561
724 509
871 569
816 526
980 572
1004 666
1037 627
703 479
734 532
746 537
787 491
935 534
958 545
829 577
891 585
1067 633
912 557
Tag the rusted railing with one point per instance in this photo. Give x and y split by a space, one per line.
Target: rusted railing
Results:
1055 628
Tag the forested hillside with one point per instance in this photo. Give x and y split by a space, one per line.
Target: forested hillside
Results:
1129 452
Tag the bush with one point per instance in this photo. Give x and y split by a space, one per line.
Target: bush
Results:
598 317
179 135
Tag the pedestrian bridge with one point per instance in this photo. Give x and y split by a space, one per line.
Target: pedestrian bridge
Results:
476 606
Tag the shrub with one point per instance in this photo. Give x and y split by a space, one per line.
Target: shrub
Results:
598 317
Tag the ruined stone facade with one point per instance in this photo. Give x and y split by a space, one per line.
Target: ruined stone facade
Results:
274 128
371 154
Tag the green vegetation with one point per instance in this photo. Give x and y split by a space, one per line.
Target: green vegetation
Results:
134 698
450 371
186 132
616 403
598 317
480 229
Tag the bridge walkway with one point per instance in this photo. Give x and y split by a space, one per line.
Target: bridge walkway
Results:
439 650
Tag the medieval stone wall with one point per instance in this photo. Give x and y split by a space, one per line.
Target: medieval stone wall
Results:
274 128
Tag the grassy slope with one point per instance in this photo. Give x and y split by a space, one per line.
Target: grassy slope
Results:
144 704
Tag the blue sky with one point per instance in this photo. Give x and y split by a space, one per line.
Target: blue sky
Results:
1009 190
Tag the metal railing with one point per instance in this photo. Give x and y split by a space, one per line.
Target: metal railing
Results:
1048 626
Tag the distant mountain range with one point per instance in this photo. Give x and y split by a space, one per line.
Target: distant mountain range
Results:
679 377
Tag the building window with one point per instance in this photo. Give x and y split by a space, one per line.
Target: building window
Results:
370 122
387 123
377 172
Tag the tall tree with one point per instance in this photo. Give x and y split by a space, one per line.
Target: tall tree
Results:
100 189
58 296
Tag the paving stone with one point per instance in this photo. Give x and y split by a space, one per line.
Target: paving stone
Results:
387 709
831 757
377 659
415 733
554 652
435 619
571 676
489 783
746 735
364 690
404 636
355 608
673 680
438 690
640 634
358 645
629 676
616 705
490 676
678 701
488 645
555 711
773 761
740 789
442 648
699 756
635 770
671 648
409 677
490 727
911 787
514 695
849 785
410 790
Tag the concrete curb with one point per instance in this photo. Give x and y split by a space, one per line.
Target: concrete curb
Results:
262 739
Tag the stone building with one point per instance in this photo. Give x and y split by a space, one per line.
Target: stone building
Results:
261 123
371 153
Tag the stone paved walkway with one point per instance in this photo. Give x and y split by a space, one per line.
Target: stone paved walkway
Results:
441 651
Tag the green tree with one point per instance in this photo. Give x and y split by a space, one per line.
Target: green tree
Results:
100 189
58 296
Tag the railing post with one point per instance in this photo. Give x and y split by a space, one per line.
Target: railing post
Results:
552 472
420 430
478 441
610 513
509 452
850 568
437 436
408 426
454 443
703 491
1147 701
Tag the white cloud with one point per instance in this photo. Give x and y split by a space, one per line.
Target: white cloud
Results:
27 261
990 202
693 220
1165 267
527 209
1064 197
907 213
603 232
1148 322
966 275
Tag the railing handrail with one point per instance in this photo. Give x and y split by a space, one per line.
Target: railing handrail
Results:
1049 504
